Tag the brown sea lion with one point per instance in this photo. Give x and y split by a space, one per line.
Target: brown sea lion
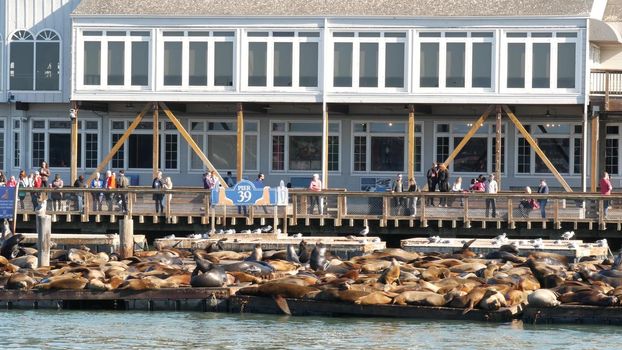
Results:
391 275
420 298
68 281
242 277
468 267
256 254
20 281
138 284
373 266
434 274
589 297
516 297
283 265
340 294
26 262
278 289
228 255
6 266
543 298
492 300
376 298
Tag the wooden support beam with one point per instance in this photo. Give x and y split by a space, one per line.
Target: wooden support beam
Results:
498 128
191 142
120 142
411 142
156 141
536 148
594 153
324 146
73 115
240 146
478 124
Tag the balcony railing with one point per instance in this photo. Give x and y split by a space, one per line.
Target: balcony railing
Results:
606 82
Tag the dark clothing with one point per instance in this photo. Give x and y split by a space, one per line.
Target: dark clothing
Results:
398 186
432 177
491 203
123 183
443 184
158 197
412 201
543 189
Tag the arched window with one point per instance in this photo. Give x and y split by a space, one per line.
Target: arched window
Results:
34 62
22 50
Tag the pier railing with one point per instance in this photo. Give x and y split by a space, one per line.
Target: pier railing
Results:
336 207
606 82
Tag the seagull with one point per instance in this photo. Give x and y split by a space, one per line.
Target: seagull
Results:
566 236
195 236
602 243
206 235
376 239
434 239
278 230
364 231
266 229
220 232
297 235
169 237
257 230
6 230
230 231
246 231
538 243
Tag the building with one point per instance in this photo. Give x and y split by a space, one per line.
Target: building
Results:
303 74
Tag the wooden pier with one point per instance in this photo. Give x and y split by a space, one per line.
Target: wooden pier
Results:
575 314
96 242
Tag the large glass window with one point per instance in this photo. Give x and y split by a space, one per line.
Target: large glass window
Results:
116 63
382 146
455 65
92 63
140 63
308 64
612 150
172 63
51 140
297 146
541 65
368 62
342 65
223 63
516 65
197 65
566 65
394 66
34 63
429 65
21 61
283 58
217 139
482 65
560 142
136 152
257 63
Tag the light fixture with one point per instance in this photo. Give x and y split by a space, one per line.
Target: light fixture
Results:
390 124
547 114
72 114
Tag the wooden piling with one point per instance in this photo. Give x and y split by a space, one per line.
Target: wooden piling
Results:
126 233
44 235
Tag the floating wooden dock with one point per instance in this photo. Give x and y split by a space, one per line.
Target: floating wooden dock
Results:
578 314
485 246
96 242
342 247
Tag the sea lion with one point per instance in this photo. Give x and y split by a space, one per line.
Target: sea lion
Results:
282 265
6 266
256 268
207 274
543 298
390 275
68 281
26 262
589 297
10 247
376 298
467 267
317 261
420 298
516 297
256 254
474 297
20 281
284 290
303 252
292 256
505 256
216 247
493 300
138 284
244 277
227 255
27 251
340 294
434 274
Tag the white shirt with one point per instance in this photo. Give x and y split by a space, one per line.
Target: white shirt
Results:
492 187
457 187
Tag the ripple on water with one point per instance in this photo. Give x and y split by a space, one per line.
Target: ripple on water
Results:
35 329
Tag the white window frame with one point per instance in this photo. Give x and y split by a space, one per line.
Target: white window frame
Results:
6 130
468 42
369 134
356 41
185 55
269 39
532 166
103 39
489 134
16 128
34 42
82 130
205 133
614 137
554 40
162 132
286 134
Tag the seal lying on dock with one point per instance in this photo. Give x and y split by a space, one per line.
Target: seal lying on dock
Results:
207 274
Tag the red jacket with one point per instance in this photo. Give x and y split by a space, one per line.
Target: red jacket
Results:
605 186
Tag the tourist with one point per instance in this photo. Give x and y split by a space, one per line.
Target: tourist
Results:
109 183
206 182
605 189
24 182
35 182
168 185
2 179
491 188
157 184
79 199
432 181
44 172
229 179
57 196
412 187
258 183
478 185
543 189
124 184
98 197
315 186
12 182
443 183
527 204
456 187
398 186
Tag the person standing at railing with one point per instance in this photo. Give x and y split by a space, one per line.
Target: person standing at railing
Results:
157 184
315 186
443 183
35 182
79 199
527 204
109 183
123 183
168 185
605 189
398 187
412 205
2 179
258 183
98 197
432 177
57 196
12 182
456 187
44 171
23 183
543 189
492 188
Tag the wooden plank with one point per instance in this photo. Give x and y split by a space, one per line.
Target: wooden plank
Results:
156 142
594 153
478 124
84 294
120 142
197 150
411 142
580 314
536 148
74 142
325 146
240 145
498 128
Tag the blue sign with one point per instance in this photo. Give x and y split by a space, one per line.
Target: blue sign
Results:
7 202
245 193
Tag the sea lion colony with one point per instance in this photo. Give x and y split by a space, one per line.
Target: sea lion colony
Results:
391 276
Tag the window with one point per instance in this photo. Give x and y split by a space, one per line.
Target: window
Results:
136 152
2 144
51 141
455 59
297 146
477 155
116 59
369 60
383 146
17 144
541 60
282 59
612 149
218 140
34 62
560 142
